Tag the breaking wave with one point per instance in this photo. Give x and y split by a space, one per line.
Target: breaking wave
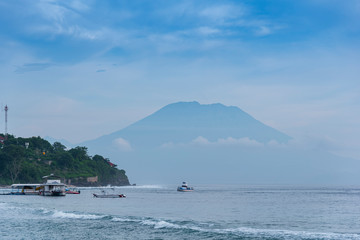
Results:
60 214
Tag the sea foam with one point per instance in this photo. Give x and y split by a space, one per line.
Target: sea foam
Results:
60 214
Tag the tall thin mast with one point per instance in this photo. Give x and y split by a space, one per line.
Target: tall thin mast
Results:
6 109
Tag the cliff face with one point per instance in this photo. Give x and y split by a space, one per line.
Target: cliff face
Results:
117 178
27 163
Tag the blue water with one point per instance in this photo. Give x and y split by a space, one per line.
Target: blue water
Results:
210 212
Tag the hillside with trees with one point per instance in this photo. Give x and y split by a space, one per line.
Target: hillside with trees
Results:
27 160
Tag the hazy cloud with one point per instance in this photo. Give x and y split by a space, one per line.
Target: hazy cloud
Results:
239 141
208 31
122 145
227 141
30 67
201 140
222 13
263 31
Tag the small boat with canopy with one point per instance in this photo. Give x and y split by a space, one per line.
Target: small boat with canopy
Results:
185 188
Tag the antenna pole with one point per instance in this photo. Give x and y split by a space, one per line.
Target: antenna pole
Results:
6 109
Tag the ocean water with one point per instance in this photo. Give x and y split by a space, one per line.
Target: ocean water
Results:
210 212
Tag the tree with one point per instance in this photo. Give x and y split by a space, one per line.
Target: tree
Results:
79 153
65 159
16 154
58 147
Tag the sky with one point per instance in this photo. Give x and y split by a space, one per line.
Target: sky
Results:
77 70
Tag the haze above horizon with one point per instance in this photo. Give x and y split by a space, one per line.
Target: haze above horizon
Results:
77 70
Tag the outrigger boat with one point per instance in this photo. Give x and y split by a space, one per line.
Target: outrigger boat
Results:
106 195
184 188
72 191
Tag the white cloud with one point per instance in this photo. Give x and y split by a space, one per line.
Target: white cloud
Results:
80 5
227 142
201 141
239 141
263 31
275 144
168 145
52 11
222 13
64 19
122 145
208 31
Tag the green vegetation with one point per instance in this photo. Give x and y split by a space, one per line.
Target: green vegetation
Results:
27 160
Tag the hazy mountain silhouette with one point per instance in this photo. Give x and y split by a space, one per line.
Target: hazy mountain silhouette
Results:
183 122
217 144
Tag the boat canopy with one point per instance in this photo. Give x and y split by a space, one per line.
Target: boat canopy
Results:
25 186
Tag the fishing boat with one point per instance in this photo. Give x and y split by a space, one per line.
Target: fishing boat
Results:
104 194
184 188
52 186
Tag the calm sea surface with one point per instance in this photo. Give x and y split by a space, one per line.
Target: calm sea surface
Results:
211 212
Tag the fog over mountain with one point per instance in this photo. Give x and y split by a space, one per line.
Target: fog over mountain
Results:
216 144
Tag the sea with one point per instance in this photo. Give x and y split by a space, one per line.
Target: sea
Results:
210 212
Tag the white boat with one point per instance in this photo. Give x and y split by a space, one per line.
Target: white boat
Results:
106 195
184 188
25 189
52 187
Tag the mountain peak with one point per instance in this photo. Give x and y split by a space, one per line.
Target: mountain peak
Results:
182 122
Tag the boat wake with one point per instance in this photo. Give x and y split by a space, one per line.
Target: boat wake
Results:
128 187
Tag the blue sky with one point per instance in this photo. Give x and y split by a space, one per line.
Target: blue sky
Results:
81 69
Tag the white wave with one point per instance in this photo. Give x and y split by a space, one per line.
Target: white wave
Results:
117 219
60 214
258 233
45 211
161 224
164 224
144 187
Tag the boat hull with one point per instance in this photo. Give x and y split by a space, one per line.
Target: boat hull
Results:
109 195
72 192
185 189
53 193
